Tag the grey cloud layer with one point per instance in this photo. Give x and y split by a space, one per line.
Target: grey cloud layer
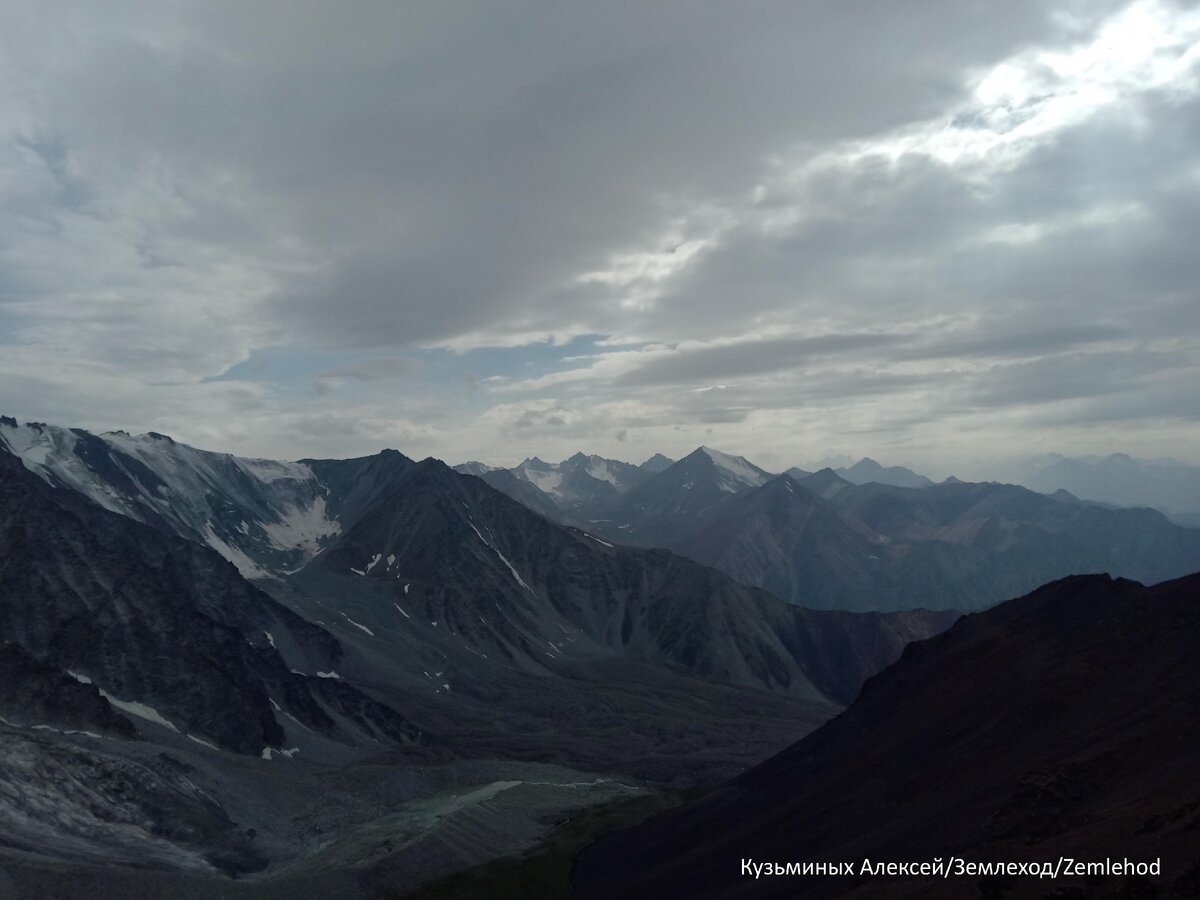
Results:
186 183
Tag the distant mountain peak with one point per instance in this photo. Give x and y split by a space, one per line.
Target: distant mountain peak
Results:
579 479
1119 478
474 467
657 463
783 484
867 469
733 473
736 470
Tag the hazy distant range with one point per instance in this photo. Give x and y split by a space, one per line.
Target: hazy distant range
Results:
1170 486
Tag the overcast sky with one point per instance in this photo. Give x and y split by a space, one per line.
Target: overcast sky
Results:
932 232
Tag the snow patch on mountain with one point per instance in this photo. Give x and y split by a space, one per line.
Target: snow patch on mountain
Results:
269 752
503 558
202 742
271 470
141 710
302 527
262 515
49 452
737 468
544 481
248 567
358 625
599 469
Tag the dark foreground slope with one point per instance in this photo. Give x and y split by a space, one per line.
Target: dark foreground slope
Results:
1063 723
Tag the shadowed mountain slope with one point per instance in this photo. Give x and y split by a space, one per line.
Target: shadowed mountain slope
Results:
1058 724
166 629
542 598
524 492
951 545
674 499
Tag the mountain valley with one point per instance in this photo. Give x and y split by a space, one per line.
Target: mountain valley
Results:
186 624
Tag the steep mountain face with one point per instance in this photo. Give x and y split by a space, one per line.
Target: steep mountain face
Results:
262 515
353 486
824 483
794 544
582 484
970 545
524 492
34 694
866 470
511 586
162 628
1058 724
657 463
655 511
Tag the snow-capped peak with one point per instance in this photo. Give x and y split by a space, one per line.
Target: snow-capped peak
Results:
259 514
737 468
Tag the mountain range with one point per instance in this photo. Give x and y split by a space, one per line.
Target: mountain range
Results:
178 617
1119 479
824 542
820 540
193 642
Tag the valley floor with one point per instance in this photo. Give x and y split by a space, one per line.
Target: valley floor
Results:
365 830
